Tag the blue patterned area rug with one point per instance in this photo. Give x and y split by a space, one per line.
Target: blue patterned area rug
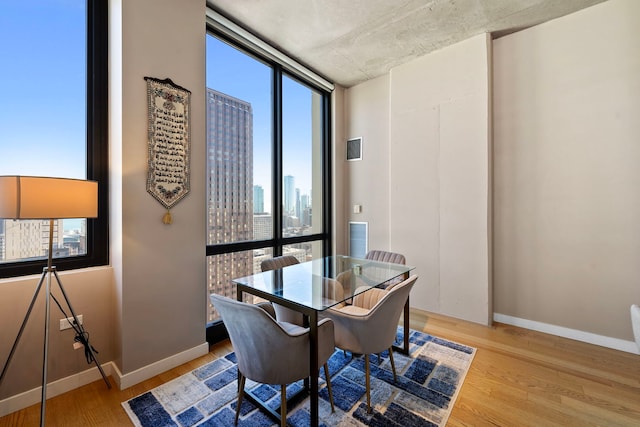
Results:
427 386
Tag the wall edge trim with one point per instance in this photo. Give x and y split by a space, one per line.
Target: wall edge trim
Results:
574 334
31 397
149 371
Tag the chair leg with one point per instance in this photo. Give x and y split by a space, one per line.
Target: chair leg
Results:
368 385
326 374
283 405
393 365
241 379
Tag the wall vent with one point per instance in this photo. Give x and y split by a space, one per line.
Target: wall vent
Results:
358 239
354 149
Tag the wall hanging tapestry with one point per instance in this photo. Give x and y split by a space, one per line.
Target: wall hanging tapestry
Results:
428 383
168 142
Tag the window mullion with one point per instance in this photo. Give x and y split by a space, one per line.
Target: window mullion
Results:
277 160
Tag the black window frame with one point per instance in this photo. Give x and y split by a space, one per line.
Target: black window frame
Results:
97 137
215 330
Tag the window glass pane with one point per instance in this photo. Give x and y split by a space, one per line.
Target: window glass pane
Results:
242 133
43 114
302 159
239 141
305 251
225 267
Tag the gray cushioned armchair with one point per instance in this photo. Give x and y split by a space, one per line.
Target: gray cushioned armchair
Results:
331 289
283 314
635 323
392 257
366 331
271 352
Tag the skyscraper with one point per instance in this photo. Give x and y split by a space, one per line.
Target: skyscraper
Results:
229 188
30 239
2 240
258 199
305 204
289 200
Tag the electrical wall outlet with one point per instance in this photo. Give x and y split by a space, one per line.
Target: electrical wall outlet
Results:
66 323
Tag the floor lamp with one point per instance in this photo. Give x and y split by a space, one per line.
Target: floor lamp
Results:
40 198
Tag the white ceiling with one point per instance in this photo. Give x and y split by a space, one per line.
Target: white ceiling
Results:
351 41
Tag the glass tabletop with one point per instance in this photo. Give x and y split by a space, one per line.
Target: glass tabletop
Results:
321 283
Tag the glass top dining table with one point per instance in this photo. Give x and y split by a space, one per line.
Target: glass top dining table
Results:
314 286
321 283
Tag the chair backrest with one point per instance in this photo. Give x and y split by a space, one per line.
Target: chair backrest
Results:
278 262
392 257
385 315
635 323
384 256
265 352
376 331
283 314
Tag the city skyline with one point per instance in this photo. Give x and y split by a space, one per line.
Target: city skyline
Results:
243 77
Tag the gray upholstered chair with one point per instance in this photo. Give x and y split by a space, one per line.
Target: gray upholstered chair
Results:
278 262
331 289
283 314
371 330
635 323
385 256
271 352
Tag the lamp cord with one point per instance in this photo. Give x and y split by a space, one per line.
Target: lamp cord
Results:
82 336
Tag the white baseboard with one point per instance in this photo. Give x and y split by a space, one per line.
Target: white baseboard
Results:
601 340
149 371
55 388
63 385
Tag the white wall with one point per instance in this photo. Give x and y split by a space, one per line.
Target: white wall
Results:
160 270
339 215
552 238
439 169
567 146
90 292
424 178
366 181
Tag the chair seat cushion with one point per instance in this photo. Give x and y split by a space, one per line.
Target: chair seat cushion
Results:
293 329
353 310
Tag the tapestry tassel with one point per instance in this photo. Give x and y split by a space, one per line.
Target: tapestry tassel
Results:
166 219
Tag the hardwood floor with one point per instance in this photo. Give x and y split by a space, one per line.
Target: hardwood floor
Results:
518 378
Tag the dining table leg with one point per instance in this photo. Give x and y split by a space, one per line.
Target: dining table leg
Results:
405 329
239 298
313 368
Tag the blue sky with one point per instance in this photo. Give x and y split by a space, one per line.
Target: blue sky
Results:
42 107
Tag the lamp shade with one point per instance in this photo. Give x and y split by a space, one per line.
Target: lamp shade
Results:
33 197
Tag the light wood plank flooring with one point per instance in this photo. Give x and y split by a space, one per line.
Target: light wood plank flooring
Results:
518 378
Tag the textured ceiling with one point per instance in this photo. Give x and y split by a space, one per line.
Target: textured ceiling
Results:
351 41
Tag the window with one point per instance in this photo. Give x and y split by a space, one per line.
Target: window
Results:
268 169
53 114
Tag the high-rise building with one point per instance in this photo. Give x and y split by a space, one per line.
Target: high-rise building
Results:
2 239
298 202
30 239
262 226
229 188
258 199
289 200
305 204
